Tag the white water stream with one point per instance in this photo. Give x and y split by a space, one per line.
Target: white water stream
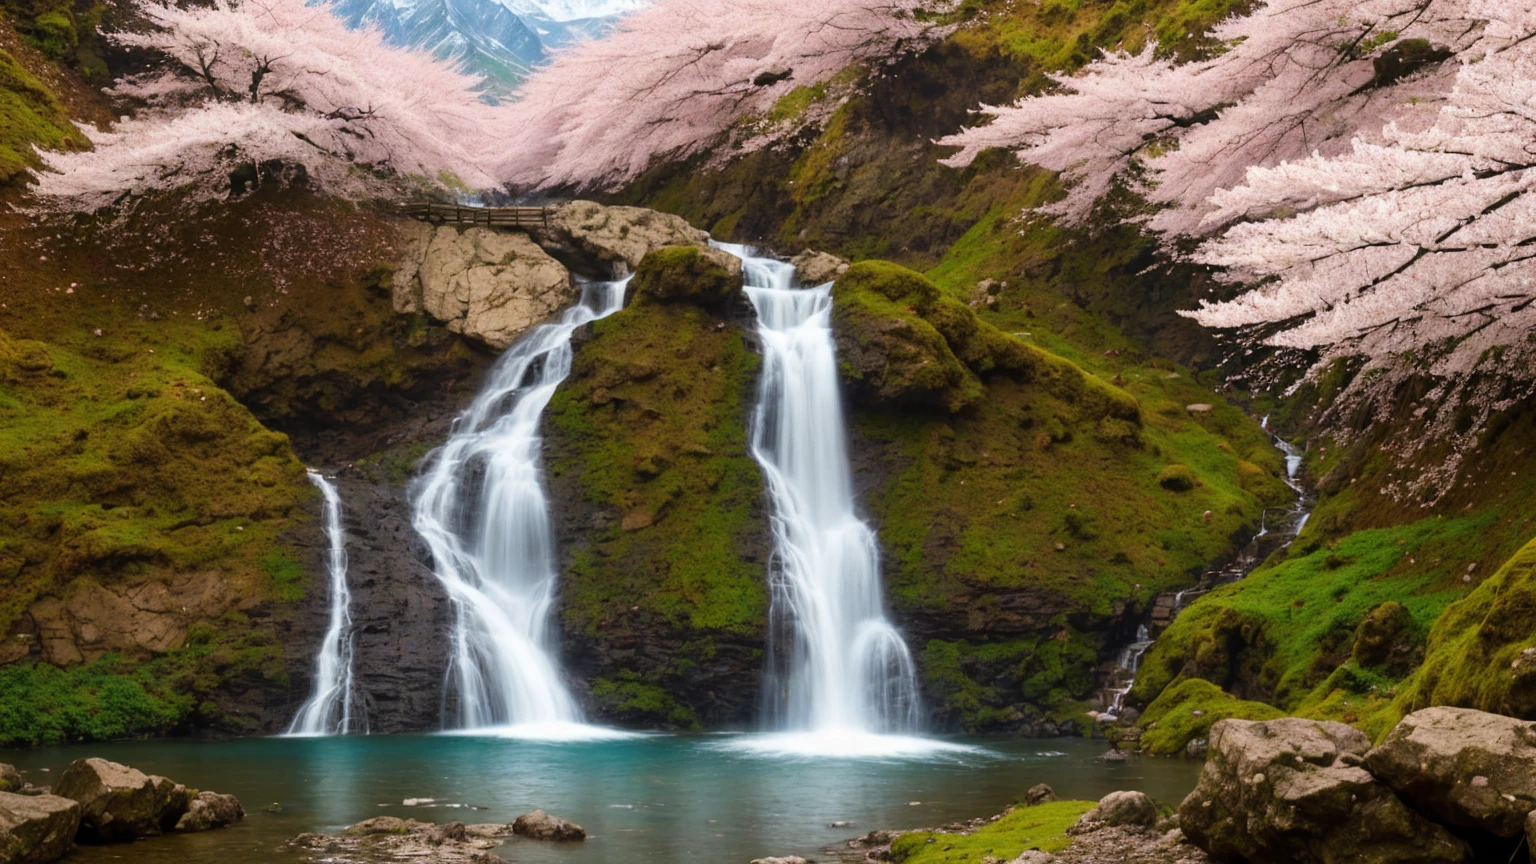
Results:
329 710
848 685
480 506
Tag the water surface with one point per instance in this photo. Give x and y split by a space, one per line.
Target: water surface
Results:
703 798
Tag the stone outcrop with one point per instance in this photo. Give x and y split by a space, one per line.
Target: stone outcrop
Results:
689 274
1119 810
618 238
210 810
817 268
539 825
1295 791
36 828
11 779
1467 768
118 803
392 839
485 284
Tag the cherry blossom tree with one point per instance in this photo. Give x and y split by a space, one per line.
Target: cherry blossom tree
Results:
674 79
1366 169
275 88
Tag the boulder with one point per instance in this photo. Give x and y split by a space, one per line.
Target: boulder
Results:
487 285
618 237
10 779
1292 791
1464 767
539 825
1039 793
210 810
171 800
1116 810
116 802
36 828
689 274
817 268
782 859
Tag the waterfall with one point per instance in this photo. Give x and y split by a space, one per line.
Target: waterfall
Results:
329 708
480 506
849 671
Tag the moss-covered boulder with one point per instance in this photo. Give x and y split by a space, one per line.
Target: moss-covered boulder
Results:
688 274
1482 651
662 518
1179 720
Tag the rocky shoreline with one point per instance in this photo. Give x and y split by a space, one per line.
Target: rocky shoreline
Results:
1445 785
96 801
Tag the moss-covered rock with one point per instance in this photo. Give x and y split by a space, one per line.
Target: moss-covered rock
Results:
1183 715
1482 651
690 274
662 518
31 116
1178 478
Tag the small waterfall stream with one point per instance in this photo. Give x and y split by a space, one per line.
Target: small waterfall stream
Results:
848 676
329 710
480 506
1295 518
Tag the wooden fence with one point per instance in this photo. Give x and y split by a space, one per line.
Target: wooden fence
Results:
490 217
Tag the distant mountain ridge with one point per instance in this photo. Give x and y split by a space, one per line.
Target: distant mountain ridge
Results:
500 41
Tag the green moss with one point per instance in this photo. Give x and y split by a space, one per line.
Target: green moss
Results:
1020 675
634 702
1185 712
1480 652
30 116
687 274
287 575
1043 827
1288 634
1178 478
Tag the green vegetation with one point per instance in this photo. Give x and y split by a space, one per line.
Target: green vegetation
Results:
648 440
30 116
1186 711
687 274
644 705
1482 651
100 701
1039 671
1043 827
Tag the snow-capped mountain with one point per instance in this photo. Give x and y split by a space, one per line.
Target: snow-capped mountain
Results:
500 40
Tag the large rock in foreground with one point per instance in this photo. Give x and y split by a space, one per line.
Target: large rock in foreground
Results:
1464 767
619 237
491 286
116 802
1292 791
36 828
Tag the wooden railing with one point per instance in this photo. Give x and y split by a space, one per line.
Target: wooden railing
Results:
491 217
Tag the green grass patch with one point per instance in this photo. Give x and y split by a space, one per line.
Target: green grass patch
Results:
1043 827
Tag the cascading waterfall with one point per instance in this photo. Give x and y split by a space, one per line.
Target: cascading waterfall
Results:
849 671
329 708
480 506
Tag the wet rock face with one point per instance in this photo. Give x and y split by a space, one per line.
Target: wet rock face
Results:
491 286
36 828
1467 768
400 613
1295 791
